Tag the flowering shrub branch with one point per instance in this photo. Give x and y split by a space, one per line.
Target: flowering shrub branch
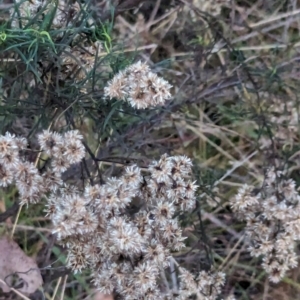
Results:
126 251
272 217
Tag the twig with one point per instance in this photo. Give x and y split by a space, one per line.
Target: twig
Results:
146 47
56 288
219 223
235 166
16 221
25 227
56 274
231 251
164 278
63 287
173 276
275 18
15 291
246 48
266 289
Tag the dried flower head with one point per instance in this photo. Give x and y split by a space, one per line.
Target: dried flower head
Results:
273 224
123 230
139 86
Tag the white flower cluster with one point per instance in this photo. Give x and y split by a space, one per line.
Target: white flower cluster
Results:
126 251
204 286
32 186
273 224
64 150
139 86
124 230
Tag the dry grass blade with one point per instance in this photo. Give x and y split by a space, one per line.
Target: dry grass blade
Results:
14 290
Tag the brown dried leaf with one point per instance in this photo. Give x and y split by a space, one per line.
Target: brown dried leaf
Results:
14 261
